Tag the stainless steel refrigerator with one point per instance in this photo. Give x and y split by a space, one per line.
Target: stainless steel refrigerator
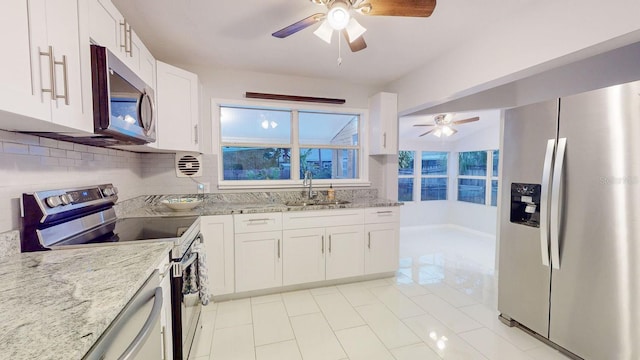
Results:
569 259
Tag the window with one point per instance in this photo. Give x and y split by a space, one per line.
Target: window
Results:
429 175
474 177
329 145
272 144
405 175
433 182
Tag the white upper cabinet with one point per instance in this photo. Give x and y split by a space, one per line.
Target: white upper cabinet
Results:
109 28
48 75
177 106
383 124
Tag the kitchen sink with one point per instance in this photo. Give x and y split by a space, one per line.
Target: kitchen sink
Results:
315 202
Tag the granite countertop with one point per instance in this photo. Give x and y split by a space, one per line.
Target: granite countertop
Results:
56 304
217 207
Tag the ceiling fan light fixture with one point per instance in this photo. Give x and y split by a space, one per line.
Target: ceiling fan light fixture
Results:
338 16
354 29
324 32
447 131
437 132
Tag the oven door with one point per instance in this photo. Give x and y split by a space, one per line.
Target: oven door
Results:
185 303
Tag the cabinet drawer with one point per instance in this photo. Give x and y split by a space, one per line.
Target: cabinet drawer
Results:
248 223
381 215
322 218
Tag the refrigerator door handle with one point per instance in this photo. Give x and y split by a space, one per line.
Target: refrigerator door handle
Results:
556 204
544 205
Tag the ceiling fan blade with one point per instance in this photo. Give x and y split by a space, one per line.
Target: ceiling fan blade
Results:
412 8
464 121
423 125
300 25
357 44
427 133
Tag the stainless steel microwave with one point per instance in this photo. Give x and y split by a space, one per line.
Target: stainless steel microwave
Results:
123 104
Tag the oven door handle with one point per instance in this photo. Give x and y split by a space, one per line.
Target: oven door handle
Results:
145 332
178 267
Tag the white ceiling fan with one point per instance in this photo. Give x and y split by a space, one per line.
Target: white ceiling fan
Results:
444 125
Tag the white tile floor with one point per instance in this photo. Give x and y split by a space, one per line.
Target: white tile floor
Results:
441 305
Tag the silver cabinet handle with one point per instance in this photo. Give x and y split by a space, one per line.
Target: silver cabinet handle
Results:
65 77
145 332
329 244
556 203
130 40
127 45
384 140
384 212
195 134
278 248
369 245
52 77
123 36
544 201
322 247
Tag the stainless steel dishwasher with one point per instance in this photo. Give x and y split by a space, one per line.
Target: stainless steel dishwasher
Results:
135 333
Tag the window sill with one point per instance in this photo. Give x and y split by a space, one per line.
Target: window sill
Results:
287 185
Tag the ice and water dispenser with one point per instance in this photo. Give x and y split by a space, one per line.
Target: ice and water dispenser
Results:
525 204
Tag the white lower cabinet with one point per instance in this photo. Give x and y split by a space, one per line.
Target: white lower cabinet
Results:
217 234
314 251
382 232
258 260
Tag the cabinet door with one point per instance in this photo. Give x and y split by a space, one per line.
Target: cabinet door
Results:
106 26
72 107
20 88
383 124
381 251
303 254
345 256
147 65
177 94
217 232
258 260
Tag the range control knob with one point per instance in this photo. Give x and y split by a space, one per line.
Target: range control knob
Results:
107 192
115 190
66 199
53 201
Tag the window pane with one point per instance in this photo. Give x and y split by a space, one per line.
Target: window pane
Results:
405 189
245 163
496 159
434 163
405 162
255 126
494 192
473 163
433 189
329 163
471 190
328 129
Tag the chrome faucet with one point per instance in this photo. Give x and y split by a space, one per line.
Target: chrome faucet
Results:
308 181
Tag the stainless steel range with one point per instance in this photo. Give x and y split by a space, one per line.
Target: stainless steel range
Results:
80 217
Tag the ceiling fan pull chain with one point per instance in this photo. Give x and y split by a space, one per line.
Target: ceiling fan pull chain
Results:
339 51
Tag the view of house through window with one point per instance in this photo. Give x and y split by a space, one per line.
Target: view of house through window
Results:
260 144
474 177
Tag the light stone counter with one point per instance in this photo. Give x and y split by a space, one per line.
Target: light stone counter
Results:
56 304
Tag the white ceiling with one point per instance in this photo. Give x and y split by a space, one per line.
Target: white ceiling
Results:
237 35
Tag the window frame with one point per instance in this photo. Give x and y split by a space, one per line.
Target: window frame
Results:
295 108
488 178
418 176
427 176
412 176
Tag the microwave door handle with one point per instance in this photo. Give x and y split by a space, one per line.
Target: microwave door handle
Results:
133 349
544 204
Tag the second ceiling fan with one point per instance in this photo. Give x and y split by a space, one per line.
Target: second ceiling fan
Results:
339 17
443 125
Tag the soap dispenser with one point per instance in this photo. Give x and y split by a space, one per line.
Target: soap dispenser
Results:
331 193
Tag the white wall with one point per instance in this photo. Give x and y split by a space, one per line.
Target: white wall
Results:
477 217
545 35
